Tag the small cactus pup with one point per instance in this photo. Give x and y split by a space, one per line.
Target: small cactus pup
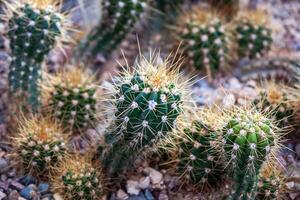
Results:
199 157
251 34
249 140
119 17
205 42
72 96
35 27
148 102
273 100
39 144
77 178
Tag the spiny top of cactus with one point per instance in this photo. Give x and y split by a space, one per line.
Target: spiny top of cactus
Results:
77 178
258 17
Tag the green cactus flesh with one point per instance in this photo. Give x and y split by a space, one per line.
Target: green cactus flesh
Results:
86 185
198 156
74 106
32 35
39 155
118 19
205 45
253 40
268 188
145 114
247 142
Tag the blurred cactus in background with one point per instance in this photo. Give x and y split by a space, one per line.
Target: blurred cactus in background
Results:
34 29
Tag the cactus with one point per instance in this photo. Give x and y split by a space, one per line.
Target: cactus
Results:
117 21
148 102
249 138
72 98
199 159
253 37
39 144
204 40
76 178
34 29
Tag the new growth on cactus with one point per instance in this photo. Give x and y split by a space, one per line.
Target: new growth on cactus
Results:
252 34
199 158
77 178
72 96
148 101
249 139
39 144
35 26
204 39
119 16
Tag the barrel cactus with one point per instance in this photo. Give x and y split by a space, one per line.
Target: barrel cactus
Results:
252 34
204 40
39 144
148 103
35 27
77 178
72 97
199 157
119 16
249 139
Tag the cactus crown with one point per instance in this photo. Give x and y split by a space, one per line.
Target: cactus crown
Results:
205 41
253 36
39 144
72 98
77 178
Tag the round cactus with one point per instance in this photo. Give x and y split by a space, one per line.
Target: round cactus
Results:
72 98
34 28
199 159
248 139
204 40
76 178
253 37
39 144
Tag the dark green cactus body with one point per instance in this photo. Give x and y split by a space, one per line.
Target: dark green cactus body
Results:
41 155
32 35
247 142
145 114
253 40
205 45
84 186
268 188
118 19
198 157
74 106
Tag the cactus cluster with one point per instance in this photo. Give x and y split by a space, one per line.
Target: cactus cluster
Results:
199 158
204 40
40 145
34 28
253 38
77 178
72 98
248 139
117 21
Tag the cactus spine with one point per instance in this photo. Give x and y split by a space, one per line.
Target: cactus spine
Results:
76 178
40 145
118 19
34 28
248 140
204 40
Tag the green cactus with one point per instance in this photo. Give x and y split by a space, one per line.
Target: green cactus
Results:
119 16
268 188
199 159
248 139
253 40
32 34
40 145
204 40
76 178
